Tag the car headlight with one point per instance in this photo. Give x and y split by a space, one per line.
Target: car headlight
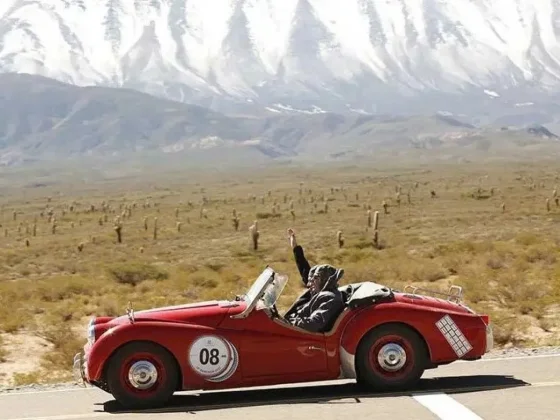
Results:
91 331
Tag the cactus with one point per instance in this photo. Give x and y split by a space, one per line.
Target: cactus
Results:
178 226
254 230
503 207
385 207
375 230
146 223
369 218
235 221
547 204
155 228
81 246
340 239
118 229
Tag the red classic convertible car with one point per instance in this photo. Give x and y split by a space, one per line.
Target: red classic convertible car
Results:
383 338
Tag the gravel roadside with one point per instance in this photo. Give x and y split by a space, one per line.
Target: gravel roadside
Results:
494 354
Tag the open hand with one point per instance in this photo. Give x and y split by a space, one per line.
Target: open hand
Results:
292 237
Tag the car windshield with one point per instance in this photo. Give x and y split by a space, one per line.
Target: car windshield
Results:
266 289
259 284
274 290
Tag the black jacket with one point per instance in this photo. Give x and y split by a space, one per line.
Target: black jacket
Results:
302 264
316 312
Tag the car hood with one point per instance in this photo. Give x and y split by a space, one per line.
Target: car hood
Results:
209 313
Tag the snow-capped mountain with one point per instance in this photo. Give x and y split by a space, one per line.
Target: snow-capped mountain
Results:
364 55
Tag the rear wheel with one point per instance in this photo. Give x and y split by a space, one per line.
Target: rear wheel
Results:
391 357
142 375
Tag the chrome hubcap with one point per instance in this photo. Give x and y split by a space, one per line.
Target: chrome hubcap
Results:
391 357
142 375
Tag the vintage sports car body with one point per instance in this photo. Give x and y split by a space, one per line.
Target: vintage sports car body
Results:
383 338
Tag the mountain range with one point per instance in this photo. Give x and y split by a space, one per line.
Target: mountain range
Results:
372 56
278 79
47 120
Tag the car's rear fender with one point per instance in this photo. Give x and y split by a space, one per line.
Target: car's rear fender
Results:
422 321
171 336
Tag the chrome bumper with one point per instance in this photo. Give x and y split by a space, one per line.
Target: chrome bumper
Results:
489 338
78 369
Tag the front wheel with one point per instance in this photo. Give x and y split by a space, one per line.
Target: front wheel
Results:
142 375
391 357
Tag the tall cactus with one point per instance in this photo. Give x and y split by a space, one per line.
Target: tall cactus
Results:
254 230
375 230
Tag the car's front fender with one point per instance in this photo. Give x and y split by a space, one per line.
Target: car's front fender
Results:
172 336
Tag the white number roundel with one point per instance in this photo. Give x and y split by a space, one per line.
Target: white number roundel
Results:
213 358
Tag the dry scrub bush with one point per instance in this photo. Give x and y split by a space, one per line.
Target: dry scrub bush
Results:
65 344
3 351
135 273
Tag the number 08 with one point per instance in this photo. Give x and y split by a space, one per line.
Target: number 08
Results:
209 356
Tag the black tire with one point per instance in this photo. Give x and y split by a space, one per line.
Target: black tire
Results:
122 388
371 373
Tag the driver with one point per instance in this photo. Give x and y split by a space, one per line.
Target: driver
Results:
316 309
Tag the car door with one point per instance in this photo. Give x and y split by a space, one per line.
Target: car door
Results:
283 351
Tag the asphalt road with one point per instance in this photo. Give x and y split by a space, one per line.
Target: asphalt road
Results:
496 389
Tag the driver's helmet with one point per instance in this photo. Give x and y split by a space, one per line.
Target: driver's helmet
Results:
323 271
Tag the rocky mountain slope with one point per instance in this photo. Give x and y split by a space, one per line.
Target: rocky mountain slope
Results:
44 119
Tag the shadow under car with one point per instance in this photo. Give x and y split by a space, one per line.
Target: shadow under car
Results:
214 400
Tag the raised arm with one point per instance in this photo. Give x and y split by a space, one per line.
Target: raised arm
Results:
299 256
